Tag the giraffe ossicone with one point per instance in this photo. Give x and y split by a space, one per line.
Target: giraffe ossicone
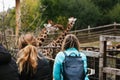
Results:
72 20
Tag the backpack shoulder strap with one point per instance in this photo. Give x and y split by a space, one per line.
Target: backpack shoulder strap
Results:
71 54
65 53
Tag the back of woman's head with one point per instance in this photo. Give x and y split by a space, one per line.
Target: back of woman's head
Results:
27 56
70 41
26 39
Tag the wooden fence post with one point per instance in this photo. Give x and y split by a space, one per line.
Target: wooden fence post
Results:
114 25
114 32
18 20
88 29
102 59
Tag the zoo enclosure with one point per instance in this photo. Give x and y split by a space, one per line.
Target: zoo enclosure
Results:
90 34
109 62
96 61
85 35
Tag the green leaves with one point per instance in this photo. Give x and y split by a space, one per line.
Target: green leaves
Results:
30 14
114 14
84 10
34 13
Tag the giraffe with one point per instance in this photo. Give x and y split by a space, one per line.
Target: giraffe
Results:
57 43
50 27
56 25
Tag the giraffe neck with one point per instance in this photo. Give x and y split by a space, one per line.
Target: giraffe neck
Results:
69 27
42 36
50 52
44 33
59 40
56 43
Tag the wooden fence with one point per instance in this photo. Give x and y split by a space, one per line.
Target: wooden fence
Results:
90 34
109 65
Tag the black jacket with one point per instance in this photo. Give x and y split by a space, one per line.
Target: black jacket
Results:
8 67
43 71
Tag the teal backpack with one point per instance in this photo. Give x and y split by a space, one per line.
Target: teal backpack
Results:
73 67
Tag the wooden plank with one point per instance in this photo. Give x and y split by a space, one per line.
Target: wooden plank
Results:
111 70
53 47
109 38
98 27
87 53
97 32
91 54
101 60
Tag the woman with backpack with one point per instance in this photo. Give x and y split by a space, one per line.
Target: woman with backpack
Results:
70 63
31 64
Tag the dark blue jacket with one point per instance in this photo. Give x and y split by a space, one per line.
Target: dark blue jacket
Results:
43 71
8 67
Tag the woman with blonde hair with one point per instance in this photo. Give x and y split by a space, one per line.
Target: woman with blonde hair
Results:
70 45
31 64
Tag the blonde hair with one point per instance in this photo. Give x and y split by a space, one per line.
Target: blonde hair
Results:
27 56
70 41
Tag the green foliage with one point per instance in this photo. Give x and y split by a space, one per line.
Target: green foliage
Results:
114 14
88 14
30 15
62 20
105 5
7 19
34 13
84 10
11 19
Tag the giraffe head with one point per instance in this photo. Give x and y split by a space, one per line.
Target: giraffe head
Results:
58 26
72 20
50 28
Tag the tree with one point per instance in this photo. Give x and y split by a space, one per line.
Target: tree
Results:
105 5
84 10
30 15
114 14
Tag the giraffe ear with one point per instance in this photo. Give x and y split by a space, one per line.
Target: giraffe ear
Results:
50 21
45 25
72 20
75 19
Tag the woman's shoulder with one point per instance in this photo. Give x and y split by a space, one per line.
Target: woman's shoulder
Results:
59 57
5 56
60 54
5 71
42 61
43 71
82 54
40 54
